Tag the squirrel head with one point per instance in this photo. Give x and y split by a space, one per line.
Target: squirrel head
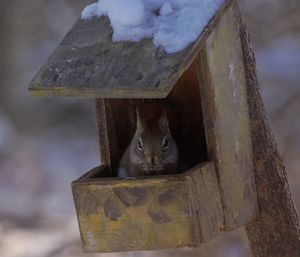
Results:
153 148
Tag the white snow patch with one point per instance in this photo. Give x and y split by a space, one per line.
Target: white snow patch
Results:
173 24
165 9
89 11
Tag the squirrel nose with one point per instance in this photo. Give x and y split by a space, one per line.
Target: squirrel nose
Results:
153 160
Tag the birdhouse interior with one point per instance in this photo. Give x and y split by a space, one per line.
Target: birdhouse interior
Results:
184 114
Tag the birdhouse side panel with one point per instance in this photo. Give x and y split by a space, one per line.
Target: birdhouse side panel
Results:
205 202
225 110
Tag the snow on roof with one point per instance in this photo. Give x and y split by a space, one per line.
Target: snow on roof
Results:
172 24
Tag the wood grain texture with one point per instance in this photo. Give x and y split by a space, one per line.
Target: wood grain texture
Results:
103 133
226 119
148 212
87 63
107 136
186 118
276 232
205 202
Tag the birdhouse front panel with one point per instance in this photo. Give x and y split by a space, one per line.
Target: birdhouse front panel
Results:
148 213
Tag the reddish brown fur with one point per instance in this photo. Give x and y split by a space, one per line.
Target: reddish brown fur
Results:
151 111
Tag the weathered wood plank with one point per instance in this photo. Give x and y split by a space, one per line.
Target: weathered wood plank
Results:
111 115
102 132
224 103
87 63
148 212
276 232
205 202
127 215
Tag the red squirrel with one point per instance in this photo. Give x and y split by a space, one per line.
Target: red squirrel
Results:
152 150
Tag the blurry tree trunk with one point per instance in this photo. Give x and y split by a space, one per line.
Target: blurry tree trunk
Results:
4 28
276 231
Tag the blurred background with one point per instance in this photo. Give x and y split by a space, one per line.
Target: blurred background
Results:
45 143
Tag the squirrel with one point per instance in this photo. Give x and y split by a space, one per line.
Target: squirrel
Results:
152 150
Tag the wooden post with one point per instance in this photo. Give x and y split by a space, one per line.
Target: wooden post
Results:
276 232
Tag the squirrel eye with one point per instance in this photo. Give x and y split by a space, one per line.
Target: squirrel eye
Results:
140 144
165 143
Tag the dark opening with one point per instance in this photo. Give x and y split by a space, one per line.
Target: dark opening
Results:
185 119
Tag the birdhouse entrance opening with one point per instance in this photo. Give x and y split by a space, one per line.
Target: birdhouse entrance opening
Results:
184 117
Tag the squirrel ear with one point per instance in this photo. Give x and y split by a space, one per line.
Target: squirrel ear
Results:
138 120
163 122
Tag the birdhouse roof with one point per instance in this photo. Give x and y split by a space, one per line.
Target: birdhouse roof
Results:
87 63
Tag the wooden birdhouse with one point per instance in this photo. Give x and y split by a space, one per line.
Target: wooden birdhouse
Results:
209 80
